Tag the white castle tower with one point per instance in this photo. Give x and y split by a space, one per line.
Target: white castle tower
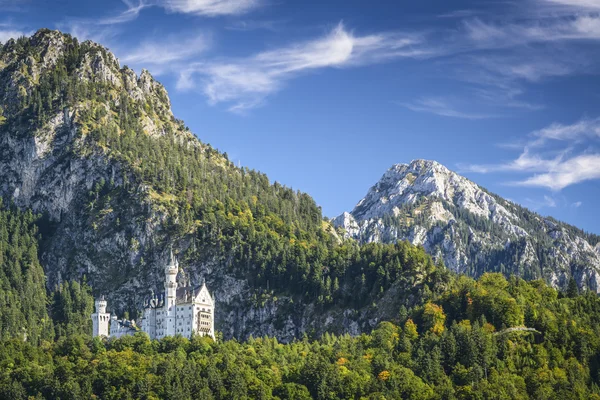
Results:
171 295
100 319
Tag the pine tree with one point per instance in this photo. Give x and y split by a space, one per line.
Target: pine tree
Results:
572 289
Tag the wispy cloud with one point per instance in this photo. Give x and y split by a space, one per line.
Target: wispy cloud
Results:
496 57
575 170
528 65
132 12
526 162
10 30
90 30
589 4
252 25
460 14
244 83
103 28
169 50
209 8
442 107
501 58
576 161
489 35
545 202
581 130
7 34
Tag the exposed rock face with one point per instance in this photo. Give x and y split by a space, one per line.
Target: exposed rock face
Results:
51 166
471 230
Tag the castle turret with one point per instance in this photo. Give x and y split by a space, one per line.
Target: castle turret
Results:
100 319
171 293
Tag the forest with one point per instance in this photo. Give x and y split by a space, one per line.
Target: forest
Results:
490 338
487 339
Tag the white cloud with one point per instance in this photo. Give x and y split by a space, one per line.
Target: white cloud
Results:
488 35
168 51
576 161
577 204
132 12
497 57
575 170
545 202
442 107
589 4
209 7
549 201
501 58
253 25
7 34
97 28
583 129
246 82
529 65
526 162
89 30
460 14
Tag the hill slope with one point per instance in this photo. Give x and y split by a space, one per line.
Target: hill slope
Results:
470 229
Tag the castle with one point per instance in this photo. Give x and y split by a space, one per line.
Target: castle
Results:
179 311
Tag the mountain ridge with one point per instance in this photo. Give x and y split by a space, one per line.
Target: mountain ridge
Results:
427 204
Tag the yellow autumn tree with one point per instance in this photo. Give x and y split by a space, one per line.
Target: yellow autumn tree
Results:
434 318
410 330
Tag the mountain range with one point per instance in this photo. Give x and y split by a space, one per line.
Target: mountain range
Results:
118 181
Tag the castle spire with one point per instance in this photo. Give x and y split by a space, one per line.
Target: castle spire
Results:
172 264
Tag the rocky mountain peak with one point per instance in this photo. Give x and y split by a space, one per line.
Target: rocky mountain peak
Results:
408 184
57 98
52 54
470 229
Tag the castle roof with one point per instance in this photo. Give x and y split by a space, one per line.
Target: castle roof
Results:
125 324
185 295
199 294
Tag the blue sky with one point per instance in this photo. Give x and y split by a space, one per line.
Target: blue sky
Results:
324 96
